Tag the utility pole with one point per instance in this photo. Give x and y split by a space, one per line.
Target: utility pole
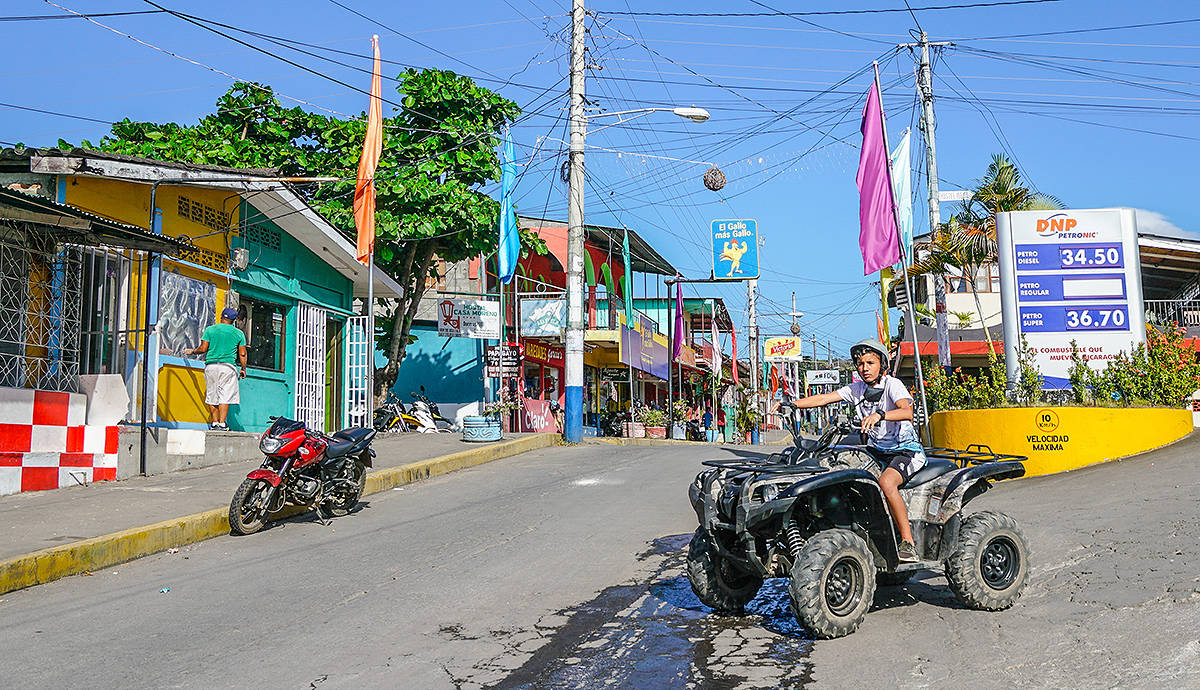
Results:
829 352
573 426
928 126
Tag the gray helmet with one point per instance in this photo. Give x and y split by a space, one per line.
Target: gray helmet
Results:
869 345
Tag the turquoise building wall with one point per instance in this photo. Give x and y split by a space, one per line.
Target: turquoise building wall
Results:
283 271
451 369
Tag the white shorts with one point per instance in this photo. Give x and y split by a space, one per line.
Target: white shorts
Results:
221 384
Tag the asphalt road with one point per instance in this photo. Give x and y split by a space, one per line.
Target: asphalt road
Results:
563 568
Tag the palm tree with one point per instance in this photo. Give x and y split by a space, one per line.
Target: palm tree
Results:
967 241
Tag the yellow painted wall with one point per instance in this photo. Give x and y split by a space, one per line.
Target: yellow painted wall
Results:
1057 439
181 395
205 215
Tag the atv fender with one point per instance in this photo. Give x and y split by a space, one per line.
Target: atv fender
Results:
862 493
975 480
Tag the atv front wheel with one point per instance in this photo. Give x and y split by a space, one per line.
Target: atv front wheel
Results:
989 566
833 583
717 583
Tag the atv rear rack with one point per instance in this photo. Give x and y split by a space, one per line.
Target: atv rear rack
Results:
975 454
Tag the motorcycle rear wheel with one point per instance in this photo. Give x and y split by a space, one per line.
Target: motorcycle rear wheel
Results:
248 510
348 498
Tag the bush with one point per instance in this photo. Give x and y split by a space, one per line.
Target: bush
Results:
1163 372
651 417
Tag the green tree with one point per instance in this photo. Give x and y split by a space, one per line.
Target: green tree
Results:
967 241
439 151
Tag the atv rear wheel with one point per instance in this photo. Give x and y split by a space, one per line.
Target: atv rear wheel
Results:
718 584
989 566
833 583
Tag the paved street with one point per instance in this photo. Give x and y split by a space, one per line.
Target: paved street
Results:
563 568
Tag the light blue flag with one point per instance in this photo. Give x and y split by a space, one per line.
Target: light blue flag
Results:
902 190
510 240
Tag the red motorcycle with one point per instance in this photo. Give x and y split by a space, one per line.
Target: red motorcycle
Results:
303 468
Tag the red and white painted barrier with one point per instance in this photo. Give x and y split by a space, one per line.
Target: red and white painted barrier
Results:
45 443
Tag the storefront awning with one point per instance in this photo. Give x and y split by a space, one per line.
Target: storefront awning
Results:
70 225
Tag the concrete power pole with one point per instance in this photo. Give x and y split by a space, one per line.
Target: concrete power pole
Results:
573 426
928 126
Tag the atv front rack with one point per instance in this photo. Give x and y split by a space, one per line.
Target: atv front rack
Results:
764 467
975 454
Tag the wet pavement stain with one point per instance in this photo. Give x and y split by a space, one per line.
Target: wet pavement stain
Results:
654 633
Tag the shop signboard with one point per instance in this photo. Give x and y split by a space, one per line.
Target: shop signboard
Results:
468 318
544 353
614 375
643 349
782 349
537 416
1070 275
820 377
735 249
502 361
543 317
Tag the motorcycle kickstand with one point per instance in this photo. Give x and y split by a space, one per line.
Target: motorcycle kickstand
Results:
325 522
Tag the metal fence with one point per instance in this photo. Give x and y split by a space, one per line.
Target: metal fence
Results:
39 310
1162 312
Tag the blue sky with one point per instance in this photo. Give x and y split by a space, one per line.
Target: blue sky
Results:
1096 118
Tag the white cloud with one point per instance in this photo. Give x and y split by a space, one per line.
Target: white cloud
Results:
1155 223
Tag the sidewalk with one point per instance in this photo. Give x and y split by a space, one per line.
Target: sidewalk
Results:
39 520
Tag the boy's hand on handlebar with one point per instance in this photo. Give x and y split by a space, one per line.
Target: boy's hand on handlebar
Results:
870 421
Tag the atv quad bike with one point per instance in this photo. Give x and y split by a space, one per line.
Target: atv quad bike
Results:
815 514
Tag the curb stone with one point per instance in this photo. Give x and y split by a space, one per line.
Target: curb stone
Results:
106 550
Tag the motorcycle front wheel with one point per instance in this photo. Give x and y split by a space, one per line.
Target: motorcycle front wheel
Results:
344 500
248 511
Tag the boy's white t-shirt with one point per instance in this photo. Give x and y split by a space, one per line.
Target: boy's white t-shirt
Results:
886 435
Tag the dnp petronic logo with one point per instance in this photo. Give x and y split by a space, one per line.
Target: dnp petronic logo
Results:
1061 226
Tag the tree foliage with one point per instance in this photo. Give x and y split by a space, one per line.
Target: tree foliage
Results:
439 151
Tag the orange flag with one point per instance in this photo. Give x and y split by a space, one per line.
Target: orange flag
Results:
364 189
883 337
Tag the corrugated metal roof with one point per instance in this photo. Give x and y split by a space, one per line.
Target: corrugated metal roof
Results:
73 226
26 154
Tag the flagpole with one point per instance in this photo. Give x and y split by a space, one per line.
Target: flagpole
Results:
904 259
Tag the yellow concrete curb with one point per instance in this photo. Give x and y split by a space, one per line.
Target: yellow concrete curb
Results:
56 562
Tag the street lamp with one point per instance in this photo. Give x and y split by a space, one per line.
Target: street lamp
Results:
573 426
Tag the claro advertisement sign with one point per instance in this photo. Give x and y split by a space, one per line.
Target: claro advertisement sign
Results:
1070 275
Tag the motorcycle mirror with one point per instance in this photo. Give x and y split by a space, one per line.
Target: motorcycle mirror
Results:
422 389
414 395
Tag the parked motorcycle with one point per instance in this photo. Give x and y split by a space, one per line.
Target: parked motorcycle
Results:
440 423
391 416
426 422
303 468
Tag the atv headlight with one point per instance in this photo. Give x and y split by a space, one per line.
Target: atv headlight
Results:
270 445
770 492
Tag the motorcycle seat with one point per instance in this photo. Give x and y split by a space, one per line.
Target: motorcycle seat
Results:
932 470
338 448
355 434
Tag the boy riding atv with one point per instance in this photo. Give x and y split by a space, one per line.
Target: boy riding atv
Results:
885 407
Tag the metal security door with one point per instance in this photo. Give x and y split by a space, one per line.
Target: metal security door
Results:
358 409
310 366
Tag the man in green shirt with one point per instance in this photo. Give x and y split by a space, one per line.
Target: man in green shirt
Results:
224 347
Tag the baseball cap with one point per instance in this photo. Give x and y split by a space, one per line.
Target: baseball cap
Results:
229 313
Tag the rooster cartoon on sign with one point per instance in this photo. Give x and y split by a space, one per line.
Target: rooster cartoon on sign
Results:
732 252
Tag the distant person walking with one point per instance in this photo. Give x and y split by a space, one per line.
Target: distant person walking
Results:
224 348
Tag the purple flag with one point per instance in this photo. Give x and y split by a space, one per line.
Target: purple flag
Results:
677 346
877 236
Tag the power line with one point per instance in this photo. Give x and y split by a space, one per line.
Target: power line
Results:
44 17
777 13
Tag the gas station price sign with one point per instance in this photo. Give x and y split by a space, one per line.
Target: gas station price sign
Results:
1070 275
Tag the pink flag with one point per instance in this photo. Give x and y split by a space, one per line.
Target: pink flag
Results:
677 346
877 236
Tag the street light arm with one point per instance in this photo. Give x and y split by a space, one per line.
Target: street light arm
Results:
694 114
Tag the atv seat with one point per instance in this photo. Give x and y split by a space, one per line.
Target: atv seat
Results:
932 470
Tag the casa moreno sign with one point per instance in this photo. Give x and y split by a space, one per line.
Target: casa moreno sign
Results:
468 318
